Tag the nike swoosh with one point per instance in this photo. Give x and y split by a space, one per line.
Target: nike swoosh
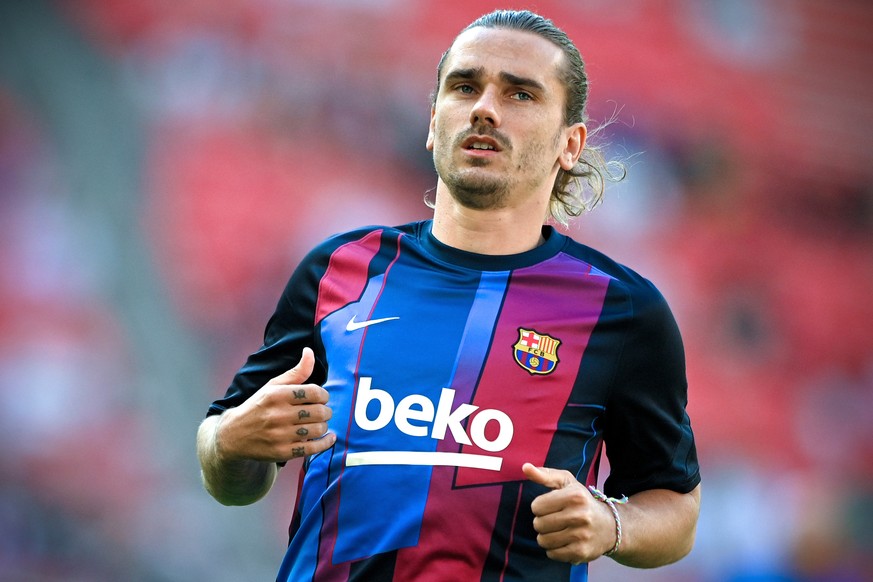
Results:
352 325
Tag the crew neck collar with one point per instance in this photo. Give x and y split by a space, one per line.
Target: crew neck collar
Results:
554 241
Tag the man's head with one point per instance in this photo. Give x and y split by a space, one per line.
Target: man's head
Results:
567 198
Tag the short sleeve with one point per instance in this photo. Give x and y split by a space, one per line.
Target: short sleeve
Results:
288 331
648 436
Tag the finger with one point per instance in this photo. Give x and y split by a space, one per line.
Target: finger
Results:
299 373
553 540
303 394
548 523
311 447
567 554
551 478
311 414
562 516
311 431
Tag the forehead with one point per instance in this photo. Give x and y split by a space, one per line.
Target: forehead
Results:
495 50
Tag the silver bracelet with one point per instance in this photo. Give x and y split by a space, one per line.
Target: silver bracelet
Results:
611 501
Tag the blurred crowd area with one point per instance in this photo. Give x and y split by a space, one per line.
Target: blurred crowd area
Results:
165 163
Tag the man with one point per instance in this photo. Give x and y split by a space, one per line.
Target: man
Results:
452 382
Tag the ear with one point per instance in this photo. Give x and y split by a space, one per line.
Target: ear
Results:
430 131
576 135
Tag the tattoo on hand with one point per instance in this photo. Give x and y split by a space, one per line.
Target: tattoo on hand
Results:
297 452
303 414
302 431
300 394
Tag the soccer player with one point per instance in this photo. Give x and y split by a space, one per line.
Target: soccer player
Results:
451 384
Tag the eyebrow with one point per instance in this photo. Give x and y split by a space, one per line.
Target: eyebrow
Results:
472 74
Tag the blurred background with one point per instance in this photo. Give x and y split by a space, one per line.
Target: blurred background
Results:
165 163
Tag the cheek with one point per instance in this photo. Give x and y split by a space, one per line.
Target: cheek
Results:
437 137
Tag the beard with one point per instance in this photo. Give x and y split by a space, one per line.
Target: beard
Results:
474 189
477 186
473 186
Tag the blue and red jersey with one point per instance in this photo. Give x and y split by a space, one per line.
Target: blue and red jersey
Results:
447 371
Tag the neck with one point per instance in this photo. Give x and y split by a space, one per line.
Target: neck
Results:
501 231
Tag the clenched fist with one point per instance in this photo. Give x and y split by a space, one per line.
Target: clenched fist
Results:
571 525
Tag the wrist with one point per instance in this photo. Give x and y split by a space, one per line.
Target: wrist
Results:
612 503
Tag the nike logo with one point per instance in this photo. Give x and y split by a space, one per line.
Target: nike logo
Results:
353 325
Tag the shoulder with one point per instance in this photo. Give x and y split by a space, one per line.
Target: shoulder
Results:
623 279
371 234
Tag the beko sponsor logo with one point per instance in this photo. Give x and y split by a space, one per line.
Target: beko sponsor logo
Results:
418 416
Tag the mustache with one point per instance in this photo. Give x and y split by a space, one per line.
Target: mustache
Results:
484 130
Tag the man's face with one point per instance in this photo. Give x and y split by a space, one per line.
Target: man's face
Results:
497 128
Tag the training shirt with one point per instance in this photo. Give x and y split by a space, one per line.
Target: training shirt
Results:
447 370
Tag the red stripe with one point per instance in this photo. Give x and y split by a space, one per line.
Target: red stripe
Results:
455 532
548 346
346 274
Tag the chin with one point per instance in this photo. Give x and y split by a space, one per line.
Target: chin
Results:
478 196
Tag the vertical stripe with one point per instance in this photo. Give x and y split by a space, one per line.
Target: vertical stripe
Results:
344 282
452 545
567 311
347 544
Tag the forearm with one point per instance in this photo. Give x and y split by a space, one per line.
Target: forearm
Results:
658 527
237 482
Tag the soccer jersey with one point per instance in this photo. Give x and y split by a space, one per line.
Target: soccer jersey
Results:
448 370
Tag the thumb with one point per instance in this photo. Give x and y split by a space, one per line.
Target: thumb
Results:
299 373
551 478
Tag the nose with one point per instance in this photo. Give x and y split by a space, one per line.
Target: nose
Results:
485 109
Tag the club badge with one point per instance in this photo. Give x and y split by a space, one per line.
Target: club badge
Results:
535 352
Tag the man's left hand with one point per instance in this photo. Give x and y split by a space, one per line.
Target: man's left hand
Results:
572 526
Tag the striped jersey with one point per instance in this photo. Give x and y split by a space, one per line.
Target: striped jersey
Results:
448 370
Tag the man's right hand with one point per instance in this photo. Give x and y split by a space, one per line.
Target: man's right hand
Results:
283 420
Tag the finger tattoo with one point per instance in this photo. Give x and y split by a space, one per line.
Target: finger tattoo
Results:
302 431
300 394
303 414
298 452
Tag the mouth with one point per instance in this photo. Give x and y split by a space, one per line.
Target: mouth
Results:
480 144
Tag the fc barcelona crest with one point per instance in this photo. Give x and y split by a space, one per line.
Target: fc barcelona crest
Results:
535 352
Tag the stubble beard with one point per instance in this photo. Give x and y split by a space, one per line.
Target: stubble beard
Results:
475 190
473 186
